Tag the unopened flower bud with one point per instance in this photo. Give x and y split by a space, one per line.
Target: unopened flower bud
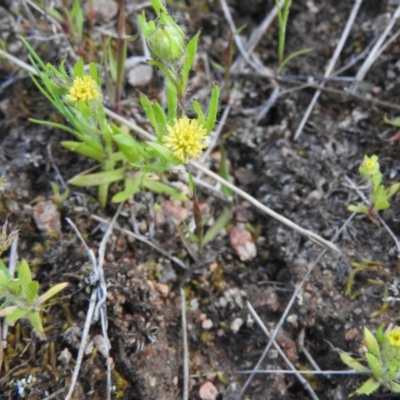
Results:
167 43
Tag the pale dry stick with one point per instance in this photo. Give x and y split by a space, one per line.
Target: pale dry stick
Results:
97 304
257 35
185 394
290 304
303 381
366 201
287 372
373 54
89 315
144 240
236 37
330 66
209 173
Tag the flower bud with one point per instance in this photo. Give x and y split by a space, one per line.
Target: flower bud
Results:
167 43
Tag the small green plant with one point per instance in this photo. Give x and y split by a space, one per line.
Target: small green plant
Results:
121 157
20 296
380 195
283 16
382 361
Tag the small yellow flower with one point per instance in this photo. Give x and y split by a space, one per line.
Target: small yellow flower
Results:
84 89
394 337
186 138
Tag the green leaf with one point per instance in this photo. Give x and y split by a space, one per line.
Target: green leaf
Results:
363 209
84 149
159 187
31 290
381 204
200 115
371 343
132 185
392 190
368 387
35 320
393 386
94 73
165 71
7 311
16 314
219 224
191 50
294 55
375 364
161 121
52 292
192 185
148 109
163 152
224 172
55 125
380 335
132 150
172 100
99 178
352 363
78 70
24 273
395 122
213 109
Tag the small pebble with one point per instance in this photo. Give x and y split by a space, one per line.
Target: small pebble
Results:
236 325
207 324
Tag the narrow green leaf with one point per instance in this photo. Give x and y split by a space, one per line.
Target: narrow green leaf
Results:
99 178
393 386
200 115
78 70
161 121
84 149
35 320
132 185
213 109
375 364
219 224
352 363
172 100
148 109
31 291
24 272
395 122
371 343
192 185
132 150
7 311
224 172
165 71
363 209
162 151
294 55
368 387
159 187
191 50
16 314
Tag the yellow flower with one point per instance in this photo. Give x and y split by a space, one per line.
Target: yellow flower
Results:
186 138
84 89
394 337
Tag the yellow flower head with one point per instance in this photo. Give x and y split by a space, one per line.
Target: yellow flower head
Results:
186 138
84 89
394 337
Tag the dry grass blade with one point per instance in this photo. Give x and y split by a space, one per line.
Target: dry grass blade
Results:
303 381
375 50
331 65
185 395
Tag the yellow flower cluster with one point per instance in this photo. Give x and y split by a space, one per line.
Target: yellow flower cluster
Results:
186 138
84 89
393 337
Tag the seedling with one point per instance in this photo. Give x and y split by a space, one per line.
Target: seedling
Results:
382 361
379 194
21 299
